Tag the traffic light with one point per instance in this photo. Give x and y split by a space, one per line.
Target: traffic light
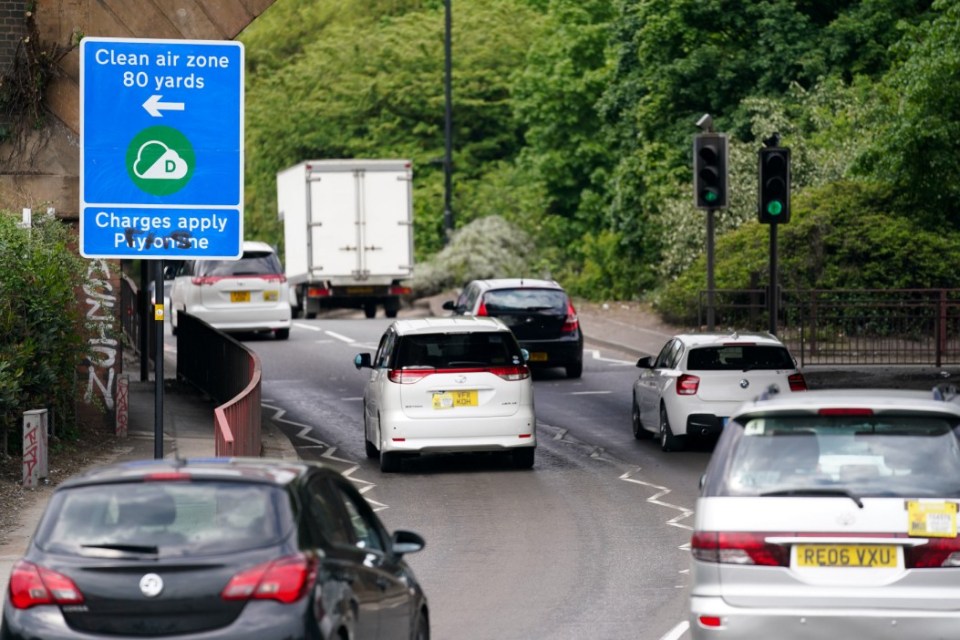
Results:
710 170
774 185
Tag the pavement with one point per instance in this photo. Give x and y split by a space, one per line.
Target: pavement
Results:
188 414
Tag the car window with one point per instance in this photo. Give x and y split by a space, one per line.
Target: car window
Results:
452 350
252 263
895 455
468 298
366 533
326 517
664 354
739 358
385 349
525 300
182 518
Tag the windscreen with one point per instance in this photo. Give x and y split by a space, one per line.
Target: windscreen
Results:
525 300
252 263
739 358
904 455
453 350
173 518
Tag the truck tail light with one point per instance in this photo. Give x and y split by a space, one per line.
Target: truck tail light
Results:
400 291
318 292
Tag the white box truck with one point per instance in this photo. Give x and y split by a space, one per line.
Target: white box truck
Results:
348 234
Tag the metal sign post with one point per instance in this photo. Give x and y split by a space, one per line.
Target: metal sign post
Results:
161 157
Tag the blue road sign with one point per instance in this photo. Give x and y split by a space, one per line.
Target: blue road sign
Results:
161 148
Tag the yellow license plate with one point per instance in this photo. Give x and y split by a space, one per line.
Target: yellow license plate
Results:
359 290
239 296
271 296
452 399
538 356
847 555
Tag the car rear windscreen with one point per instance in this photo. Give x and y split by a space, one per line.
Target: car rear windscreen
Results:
881 455
739 358
173 518
525 301
453 350
252 263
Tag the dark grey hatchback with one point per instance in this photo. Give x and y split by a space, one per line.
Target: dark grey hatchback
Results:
538 312
216 548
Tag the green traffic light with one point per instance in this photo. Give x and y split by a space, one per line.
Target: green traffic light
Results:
711 196
774 207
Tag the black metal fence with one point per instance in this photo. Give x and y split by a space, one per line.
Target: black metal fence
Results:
850 326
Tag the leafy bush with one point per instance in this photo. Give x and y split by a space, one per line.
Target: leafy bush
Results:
42 331
840 236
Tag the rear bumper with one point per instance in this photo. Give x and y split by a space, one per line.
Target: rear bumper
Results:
558 353
267 319
458 435
809 624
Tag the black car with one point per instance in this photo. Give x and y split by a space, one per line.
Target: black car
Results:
539 312
216 548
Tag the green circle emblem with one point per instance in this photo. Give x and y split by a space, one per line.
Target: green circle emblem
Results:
160 160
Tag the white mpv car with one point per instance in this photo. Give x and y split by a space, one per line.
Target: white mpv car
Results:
698 379
448 385
244 295
831 514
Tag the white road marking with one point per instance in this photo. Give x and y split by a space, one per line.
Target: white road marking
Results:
590 393
311 327
596 356
677 632
655 499
352 399
340 337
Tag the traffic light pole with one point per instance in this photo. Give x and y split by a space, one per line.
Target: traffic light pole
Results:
711 308
774 302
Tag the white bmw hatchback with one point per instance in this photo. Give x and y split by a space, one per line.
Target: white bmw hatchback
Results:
447 385
698 379
831 514
244 295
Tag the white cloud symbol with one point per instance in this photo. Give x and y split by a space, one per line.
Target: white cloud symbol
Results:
169 166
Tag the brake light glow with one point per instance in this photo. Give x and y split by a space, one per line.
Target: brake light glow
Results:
318 292
400 291
482 309
848 411
797 382
687 385
285 580
738 548
711 622
572 322
411 376
166 476
32 585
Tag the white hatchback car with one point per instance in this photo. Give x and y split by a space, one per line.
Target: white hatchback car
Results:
448 385
247 294
831 514
698 379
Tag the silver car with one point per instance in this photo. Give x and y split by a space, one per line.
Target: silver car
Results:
831 514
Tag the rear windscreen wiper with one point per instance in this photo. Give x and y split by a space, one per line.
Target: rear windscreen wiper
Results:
815 491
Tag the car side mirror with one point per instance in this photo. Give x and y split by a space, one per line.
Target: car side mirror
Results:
703 481
449 305
404 542
525 354
362 360
646 362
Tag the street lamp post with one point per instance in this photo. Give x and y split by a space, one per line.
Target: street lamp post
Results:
447 126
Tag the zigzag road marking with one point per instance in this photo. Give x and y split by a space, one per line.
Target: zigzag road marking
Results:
599 453
362 485
596 356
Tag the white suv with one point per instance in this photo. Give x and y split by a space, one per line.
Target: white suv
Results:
248 294
831 514
698 379
448 385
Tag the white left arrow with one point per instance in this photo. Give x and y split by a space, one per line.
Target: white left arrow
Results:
154 106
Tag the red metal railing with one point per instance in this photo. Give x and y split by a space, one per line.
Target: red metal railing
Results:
236 424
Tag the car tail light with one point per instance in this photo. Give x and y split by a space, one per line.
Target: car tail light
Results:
572 322
711 622
797 382
285 580
936 553
32 585
738 548
517 372
273 277
204 280
687 384
318 292
166 476
408 376
482 309
400 291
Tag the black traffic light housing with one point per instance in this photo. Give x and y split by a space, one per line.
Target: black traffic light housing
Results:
710 170
774 197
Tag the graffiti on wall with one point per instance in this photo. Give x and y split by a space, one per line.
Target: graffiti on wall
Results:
103 350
